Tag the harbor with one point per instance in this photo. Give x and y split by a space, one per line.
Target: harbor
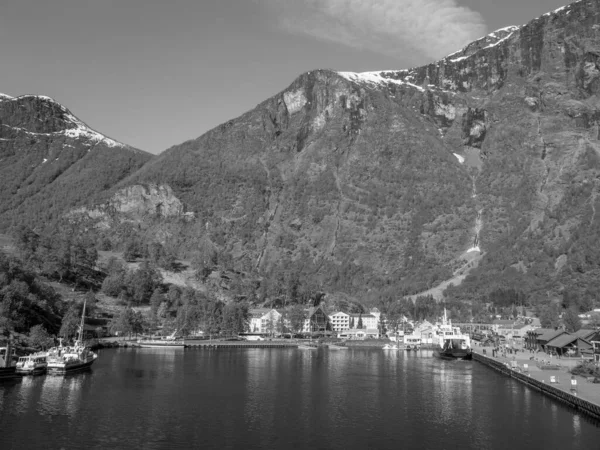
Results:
246 398
550 376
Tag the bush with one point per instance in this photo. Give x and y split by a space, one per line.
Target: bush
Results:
586 369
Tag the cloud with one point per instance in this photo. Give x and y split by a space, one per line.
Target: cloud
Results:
432 28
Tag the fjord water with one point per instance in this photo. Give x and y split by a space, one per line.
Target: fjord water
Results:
284 398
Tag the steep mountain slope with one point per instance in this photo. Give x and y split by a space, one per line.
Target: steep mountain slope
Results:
50 161
482 169
388 178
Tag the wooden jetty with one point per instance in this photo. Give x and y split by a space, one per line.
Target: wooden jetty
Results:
239 344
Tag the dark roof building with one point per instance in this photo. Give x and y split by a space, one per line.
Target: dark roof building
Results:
569 344
584 333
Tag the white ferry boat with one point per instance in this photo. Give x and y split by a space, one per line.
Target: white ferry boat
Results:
452 343
34 364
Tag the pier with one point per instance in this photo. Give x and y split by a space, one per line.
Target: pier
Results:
240 344
552 379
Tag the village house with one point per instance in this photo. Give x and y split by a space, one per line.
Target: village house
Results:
265 321
595 341
568 345
316 321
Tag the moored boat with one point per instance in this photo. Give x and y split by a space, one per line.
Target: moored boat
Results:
337 347
389 347
34 364
306 347
74 358
162 342
7 366
452 343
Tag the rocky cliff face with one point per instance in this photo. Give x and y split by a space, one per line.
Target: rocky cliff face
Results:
399 178
138 203
50 161
483 168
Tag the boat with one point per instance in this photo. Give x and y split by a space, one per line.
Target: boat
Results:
337 347
306 347
389 347
69 359
34 364
7 366
452 343
412 342
162 342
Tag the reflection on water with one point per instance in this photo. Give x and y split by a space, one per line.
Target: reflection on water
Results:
284 398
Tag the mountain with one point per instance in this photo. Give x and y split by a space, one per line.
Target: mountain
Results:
50 161
404 179
474 177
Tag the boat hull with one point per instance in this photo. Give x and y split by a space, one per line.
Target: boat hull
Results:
62 369
455 354
34 371
8 373
161 345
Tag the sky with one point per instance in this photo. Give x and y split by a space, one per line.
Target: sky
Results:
155 73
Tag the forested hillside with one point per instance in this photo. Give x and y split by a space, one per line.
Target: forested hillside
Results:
51 162
360 188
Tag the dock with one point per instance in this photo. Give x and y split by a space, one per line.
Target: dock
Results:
240 344
550 377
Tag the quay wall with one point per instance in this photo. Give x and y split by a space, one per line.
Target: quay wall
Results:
580 404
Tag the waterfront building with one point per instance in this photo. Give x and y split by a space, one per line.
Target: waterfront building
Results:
265 321
595 340
359 334
426 331
317 321
569 344
584 333
340 321
544 339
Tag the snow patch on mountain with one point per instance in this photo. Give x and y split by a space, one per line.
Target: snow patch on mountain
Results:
88 133
376 78
461 159
498 36
79 130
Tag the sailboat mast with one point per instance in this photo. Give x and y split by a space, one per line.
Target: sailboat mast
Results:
82 322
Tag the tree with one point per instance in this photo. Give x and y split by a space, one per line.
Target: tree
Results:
40 338
571 319
360 322
156 300
382 321
235 318
549 317
124 323
142 282
296 316
71 320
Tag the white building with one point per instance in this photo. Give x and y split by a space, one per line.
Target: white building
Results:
264 320
340 321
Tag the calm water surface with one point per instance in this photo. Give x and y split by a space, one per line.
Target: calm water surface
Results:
284 398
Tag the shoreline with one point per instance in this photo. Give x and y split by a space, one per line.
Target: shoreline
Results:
583 396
